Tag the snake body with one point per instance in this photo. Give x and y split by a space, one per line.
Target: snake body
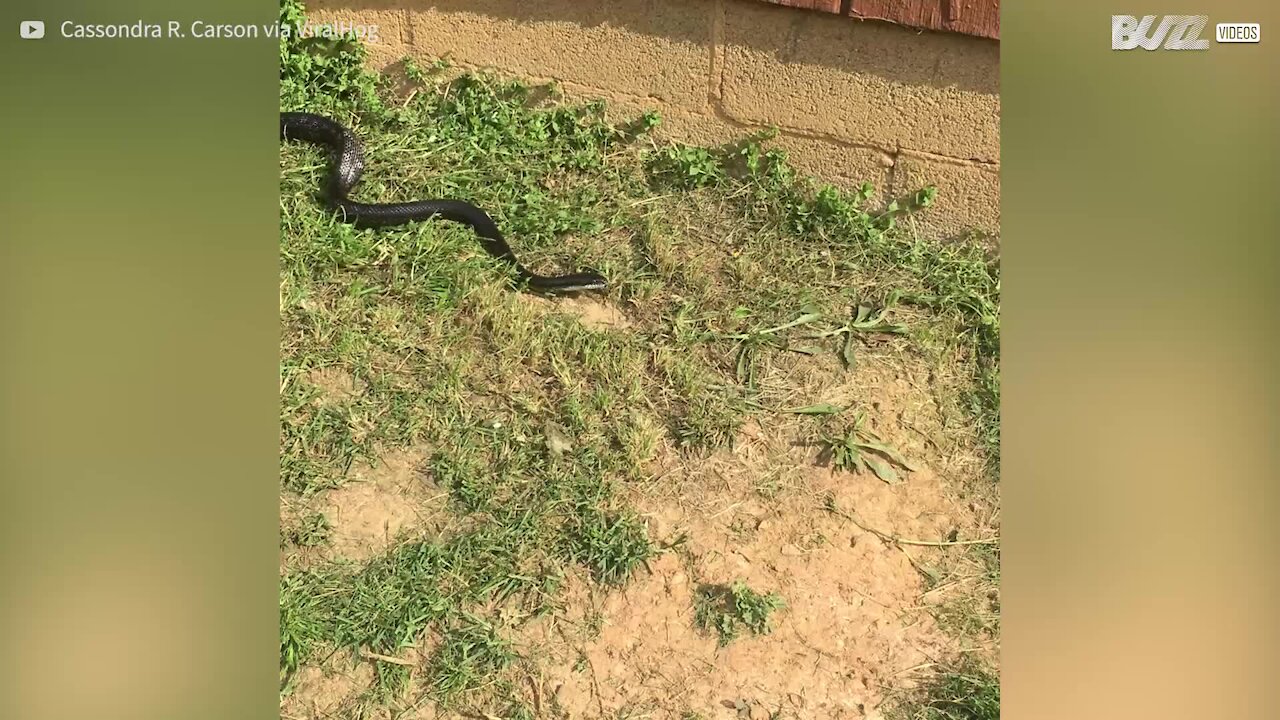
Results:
345 173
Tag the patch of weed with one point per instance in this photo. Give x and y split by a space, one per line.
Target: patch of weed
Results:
729 609
469 656
611 546
966 692
311 530
860 449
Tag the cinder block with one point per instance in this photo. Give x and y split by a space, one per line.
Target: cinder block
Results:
659 49
870 87
968 194
868 83
841 165
827 161
392 30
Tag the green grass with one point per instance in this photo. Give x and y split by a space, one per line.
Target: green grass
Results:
965 692
728 610
730 269
310 530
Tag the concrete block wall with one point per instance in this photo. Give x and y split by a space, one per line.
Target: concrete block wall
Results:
854 100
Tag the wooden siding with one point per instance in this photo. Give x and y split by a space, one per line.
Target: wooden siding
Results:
969 17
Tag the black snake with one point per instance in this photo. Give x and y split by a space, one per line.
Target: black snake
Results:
349 164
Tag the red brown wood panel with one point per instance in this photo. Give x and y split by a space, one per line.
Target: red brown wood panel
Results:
831 6
969 17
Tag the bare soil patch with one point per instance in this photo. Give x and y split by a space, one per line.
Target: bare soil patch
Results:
335 386
856 622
